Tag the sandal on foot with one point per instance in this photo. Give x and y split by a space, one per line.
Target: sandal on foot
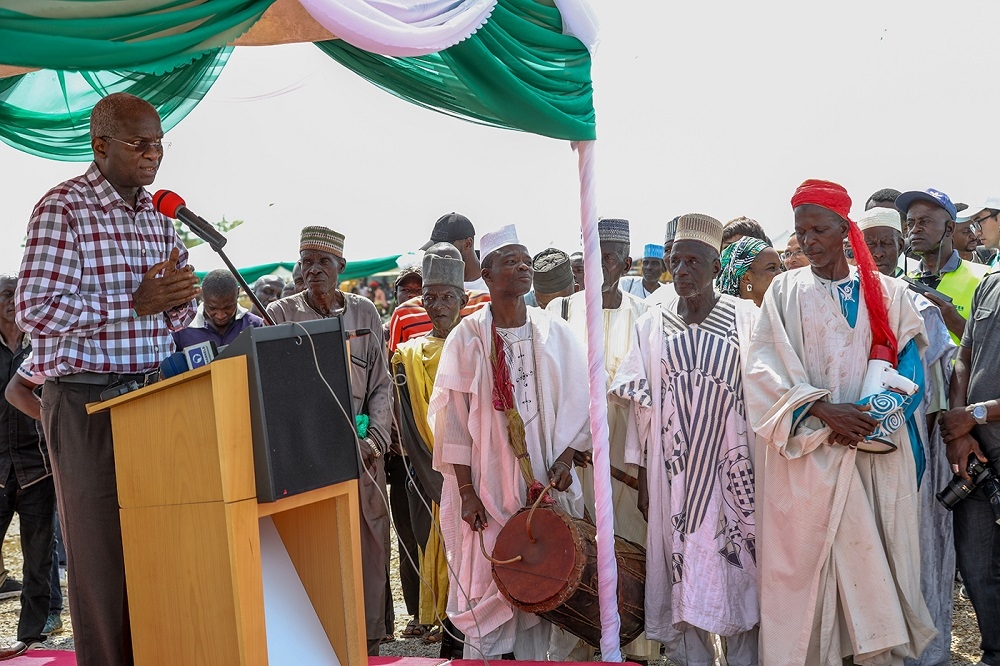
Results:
434 635
413 630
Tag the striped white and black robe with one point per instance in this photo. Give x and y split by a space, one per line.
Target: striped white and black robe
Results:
689 429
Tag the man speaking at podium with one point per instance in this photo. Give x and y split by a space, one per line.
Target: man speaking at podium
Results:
321 253
103 282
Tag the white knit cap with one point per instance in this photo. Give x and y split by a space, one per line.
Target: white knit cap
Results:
880 217
494 240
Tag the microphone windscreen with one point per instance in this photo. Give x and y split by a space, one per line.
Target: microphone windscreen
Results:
167 202
174 364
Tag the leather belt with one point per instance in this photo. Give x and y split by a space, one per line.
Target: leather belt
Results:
105 379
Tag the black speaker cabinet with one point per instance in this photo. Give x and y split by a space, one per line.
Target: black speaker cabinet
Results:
301 439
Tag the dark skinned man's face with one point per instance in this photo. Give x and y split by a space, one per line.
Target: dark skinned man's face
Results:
615 262
966 238
510 273
929 224
269 291
220 310
820 234
321 271
443 304
694 266
576 263
885 244
652 269
409 288
124 166
7 302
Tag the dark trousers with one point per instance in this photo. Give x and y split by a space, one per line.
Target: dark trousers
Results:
83 465
977 546
55 589
35 506
399 505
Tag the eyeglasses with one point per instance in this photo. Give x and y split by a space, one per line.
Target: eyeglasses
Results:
142 146
977 223
786 255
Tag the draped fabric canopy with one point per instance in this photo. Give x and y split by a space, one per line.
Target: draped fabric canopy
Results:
518 71
398 28
151 36
47 113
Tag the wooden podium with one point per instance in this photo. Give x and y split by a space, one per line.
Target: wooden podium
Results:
189 514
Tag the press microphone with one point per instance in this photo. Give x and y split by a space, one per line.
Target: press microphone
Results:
173 206
188 358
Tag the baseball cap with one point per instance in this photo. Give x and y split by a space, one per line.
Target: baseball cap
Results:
936 197
991 203
450 227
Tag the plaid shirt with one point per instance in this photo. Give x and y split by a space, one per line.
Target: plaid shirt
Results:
86 253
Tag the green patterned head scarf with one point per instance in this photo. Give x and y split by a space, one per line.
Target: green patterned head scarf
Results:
736 261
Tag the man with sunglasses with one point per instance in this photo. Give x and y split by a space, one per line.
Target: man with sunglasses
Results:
986 218
103 282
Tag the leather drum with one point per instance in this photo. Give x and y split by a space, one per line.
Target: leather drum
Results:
556 577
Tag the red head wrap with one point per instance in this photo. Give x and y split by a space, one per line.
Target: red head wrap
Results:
834 198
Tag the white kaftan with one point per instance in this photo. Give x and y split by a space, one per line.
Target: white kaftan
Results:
547 368
838 539
690 431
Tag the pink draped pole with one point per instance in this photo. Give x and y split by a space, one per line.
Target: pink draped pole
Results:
607 566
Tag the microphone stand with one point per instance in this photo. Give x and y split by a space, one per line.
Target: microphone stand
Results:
216 244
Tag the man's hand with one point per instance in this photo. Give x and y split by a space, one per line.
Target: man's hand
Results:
368 456
582 458
956 423
174 288
848 421
959 451
559 474
952 319
473 511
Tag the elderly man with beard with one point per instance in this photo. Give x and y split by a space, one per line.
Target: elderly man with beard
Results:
321 252
511 386
102 284
415 365
821 490
882 231
689 438
620 310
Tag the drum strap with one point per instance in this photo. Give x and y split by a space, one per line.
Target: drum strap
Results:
503 401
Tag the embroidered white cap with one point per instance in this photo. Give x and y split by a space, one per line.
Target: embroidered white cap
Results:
880 217
494 240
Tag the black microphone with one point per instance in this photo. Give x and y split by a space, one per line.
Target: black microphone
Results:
172 205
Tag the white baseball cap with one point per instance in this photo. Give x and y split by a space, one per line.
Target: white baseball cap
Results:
991 203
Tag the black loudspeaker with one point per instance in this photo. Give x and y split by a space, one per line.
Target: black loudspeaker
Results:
301 438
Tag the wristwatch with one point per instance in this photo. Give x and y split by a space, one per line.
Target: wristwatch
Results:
979 412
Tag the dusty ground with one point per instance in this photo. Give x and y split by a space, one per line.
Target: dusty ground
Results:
964 640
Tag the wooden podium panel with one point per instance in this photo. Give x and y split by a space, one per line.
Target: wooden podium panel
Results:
194 584
191 535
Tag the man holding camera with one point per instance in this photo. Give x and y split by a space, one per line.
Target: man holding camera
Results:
972 430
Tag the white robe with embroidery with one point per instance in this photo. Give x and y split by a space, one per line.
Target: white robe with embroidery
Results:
838 538
469 431
689 430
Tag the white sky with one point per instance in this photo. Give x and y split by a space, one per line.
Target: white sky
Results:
714 107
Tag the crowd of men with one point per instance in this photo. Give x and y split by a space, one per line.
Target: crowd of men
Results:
784 508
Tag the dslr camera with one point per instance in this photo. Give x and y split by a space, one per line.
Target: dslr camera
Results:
980 474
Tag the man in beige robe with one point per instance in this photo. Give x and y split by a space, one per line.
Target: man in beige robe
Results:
620 311
838 528
321 251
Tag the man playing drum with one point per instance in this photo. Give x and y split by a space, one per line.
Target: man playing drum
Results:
510 401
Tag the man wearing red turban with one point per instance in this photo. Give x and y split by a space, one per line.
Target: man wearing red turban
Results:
837 525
